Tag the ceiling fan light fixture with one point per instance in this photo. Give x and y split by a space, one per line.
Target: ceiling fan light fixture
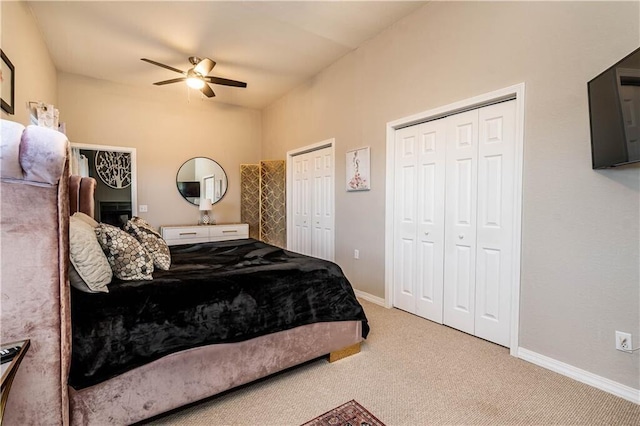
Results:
197 77
195 83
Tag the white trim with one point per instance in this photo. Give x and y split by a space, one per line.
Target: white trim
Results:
599 382
328 143
515 92
517 219
388 217
134 167
369 297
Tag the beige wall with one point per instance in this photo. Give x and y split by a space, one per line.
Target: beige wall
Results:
581 228
35 74
166 131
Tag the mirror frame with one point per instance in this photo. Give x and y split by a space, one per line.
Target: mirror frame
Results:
221 168
134 167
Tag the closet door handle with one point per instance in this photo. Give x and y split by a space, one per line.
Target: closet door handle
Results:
461 236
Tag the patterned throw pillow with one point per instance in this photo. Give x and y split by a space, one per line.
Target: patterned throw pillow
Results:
151 241
127 258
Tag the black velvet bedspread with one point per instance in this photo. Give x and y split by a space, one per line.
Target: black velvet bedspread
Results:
214 293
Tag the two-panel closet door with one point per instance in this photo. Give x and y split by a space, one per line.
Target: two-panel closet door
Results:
419 217
313 198
454 218
460 227
495 222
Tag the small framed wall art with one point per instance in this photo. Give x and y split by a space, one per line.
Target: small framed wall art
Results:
358 172
8 80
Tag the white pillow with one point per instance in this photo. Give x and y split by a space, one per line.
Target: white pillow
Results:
76 281
87 256
86 218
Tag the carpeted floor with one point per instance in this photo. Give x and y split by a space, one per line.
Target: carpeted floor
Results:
414 372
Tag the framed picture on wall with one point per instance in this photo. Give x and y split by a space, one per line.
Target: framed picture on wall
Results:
358 175
8 80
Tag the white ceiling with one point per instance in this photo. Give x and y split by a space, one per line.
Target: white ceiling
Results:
272 46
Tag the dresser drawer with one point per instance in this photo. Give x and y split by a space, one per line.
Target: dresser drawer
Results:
174 235
230 232
186 233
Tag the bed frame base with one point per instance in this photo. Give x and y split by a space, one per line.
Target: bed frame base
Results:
344 352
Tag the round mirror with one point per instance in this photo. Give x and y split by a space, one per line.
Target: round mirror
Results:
201 177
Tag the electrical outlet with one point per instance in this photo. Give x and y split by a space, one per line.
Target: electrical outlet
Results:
142 208
356 254
623 341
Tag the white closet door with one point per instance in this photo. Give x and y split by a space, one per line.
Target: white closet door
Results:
322 244
301 204
419 213
454 192
460 228
405 218
430 216
496 186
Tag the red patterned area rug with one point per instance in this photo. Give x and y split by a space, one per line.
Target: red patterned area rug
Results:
349 414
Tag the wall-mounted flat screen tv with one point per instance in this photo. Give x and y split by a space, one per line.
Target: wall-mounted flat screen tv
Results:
189 189
614 112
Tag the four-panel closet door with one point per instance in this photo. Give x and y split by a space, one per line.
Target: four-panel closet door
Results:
313 200
453 220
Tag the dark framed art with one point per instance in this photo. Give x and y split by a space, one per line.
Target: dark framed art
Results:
8 79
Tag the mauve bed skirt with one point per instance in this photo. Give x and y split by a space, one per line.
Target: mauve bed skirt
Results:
191 375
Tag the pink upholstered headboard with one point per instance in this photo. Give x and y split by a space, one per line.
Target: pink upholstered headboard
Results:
34 261
81 190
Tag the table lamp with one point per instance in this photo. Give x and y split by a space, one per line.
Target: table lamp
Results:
205 206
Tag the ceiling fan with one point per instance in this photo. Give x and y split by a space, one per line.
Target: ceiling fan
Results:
196 77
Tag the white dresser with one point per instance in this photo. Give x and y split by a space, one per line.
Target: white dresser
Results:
189 234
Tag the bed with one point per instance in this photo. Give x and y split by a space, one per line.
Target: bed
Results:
89 362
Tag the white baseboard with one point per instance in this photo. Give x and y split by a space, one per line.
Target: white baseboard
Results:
369 297
599 382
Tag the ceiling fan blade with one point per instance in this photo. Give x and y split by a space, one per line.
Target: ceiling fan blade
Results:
162 65
225 82
207 91
204 66
173 80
